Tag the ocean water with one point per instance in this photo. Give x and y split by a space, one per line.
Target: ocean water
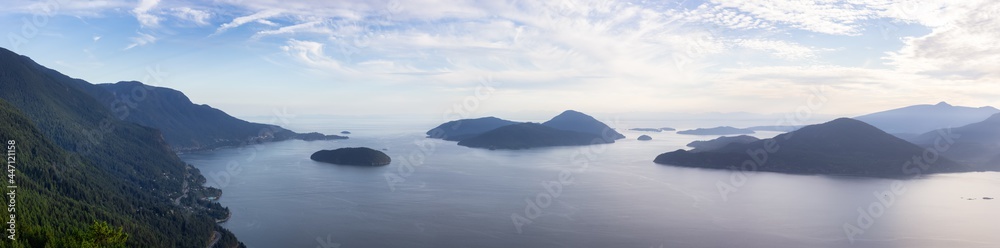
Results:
438 194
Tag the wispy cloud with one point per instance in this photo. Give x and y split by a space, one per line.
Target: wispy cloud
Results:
199 17
239 21
141 39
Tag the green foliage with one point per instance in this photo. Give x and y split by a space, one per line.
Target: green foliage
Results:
103 235
78 163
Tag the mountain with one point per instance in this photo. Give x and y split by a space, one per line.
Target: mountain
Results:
920 119
726 130
706 145
82 164
840 147
977 143
185 125
531 135
465 128
579 122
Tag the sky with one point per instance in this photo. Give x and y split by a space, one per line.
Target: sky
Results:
477 58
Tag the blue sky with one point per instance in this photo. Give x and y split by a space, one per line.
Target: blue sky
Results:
251 57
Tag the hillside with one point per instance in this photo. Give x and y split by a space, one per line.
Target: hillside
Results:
530 135
977 143
839 147
458 130
571 120
186 125
86 166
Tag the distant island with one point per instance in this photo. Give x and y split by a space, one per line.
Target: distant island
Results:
569 128
668 129
644 137
362 156
840 147
466 128
646 129
706 145
318 136
725 130
775 128
345 132
530 135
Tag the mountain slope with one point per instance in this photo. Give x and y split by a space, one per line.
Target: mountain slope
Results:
185 125
530 135
462 129
708 145
839 147
920 119
976 143
121 172
571 120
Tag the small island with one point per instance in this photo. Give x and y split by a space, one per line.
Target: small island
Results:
345 132
667 129
643 129
318 136
645 137
361 156
726 130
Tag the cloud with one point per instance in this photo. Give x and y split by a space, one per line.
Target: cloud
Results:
141 40
962 48
778 48
141 12
239 21
192 15
310 53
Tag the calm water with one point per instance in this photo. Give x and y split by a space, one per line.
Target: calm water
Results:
463 197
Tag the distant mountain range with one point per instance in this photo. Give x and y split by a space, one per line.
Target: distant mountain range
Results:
918 119
725 130
840 147
80 164
568 128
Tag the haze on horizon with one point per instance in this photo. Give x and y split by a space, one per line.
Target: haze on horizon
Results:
252 57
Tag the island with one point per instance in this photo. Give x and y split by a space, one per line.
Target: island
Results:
458 130
705 145
317 136
668 129
644 137
844 146
571 120
361 156
725 130
345 132
531 135
657 130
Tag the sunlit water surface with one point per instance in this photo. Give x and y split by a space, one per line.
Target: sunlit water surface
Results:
438 194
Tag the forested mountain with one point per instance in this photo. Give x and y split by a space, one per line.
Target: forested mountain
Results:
531 135
184 124
80 164
976 143
458 130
